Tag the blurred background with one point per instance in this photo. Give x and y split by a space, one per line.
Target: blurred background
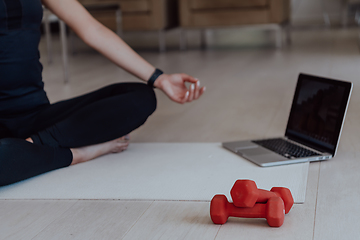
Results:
248 53
144 22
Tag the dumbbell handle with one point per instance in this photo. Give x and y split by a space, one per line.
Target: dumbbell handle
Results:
258 211
265 195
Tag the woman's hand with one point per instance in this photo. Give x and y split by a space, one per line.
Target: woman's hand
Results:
173 85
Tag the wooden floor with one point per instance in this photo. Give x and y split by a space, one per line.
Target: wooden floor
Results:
249 93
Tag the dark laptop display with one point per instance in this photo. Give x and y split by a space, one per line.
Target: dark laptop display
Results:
317 112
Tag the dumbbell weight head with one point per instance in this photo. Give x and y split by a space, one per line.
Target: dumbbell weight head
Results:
245 194
286 196
219 209
275 212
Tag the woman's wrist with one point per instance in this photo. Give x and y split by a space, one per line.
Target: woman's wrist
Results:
152 80
159 81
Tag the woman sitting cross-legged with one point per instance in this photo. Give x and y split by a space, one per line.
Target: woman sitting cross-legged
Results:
36 136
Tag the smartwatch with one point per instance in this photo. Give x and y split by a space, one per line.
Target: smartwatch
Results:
153 77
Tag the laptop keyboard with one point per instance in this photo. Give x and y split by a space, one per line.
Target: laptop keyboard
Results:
285 148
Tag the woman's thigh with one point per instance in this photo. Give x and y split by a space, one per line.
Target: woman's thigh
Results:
101 116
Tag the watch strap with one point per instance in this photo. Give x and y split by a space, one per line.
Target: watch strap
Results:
153 77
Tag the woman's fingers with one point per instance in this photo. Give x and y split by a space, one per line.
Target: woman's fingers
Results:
191 92
176 88
188 78
194 88
202 90
185 98
197 90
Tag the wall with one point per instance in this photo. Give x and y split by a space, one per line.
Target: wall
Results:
309 12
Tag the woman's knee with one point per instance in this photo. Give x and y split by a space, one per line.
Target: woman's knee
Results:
5 145
6 158
143 95
21 159
149 98
141 105
11 152
142 99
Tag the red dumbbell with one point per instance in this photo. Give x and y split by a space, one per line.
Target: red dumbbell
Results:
245 194
273 211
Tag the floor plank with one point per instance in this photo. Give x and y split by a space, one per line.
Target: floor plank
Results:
95 220
337 210
175 220
24 219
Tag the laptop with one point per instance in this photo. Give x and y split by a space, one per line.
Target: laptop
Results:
314 126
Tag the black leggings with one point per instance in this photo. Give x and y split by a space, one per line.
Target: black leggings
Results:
97 117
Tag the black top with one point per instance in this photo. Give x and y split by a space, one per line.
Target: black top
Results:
21 85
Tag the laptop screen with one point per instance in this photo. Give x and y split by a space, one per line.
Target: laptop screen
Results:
317 112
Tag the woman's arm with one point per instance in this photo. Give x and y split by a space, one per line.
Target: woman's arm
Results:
114 48
99 37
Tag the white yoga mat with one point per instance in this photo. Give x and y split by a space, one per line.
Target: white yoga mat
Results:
159 171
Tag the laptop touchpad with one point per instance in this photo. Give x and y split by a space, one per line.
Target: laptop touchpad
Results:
254 151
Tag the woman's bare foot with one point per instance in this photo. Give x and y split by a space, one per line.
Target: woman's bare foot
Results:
87 153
